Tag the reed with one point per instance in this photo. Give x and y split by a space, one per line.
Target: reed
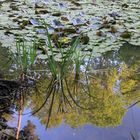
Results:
25 54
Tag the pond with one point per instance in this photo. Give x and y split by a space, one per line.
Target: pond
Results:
109 110
69 70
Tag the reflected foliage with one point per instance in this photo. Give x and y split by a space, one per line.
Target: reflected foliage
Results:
5 62
103 93
28 132
100 95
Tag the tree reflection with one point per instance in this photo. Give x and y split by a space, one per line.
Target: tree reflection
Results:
28 132
101 95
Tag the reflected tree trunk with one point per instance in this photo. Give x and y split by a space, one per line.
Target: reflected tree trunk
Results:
19 119
21 108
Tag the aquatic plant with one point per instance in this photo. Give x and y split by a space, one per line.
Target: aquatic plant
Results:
60 70
25 54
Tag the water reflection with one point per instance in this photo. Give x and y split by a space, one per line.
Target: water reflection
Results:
100 96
